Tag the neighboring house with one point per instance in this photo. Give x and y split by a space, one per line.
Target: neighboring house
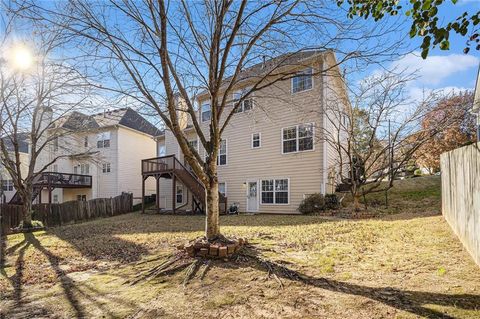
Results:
272 154
95 156
8 190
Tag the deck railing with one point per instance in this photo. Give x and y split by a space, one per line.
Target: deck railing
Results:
64 180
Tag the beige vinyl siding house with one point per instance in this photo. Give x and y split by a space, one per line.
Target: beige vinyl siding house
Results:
273 154
109 150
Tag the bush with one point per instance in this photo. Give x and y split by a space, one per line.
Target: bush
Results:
331 201
313 203
417 172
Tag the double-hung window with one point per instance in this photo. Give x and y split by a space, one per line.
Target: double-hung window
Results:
106 168
297 138
303 81
179 194
222 153
193 144
256 142
246 104
275 191
7 185
103 140
222 188
206 111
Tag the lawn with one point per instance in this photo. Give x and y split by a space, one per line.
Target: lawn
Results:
403 265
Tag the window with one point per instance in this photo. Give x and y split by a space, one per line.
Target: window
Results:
82 198
193 144
246 104
179 194
206 112
303 81
85 141
222 188
106 168
161 150
81 169
297 138
55 198
222 153
275 191
55 168
55 144
103 140
255 140
7 185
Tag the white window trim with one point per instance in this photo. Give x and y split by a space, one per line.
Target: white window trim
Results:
201 111
296 127
259 140
225 188
273 204
105 171
241 109
299 72
226 154
183 194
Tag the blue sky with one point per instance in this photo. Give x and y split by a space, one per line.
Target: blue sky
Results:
450 69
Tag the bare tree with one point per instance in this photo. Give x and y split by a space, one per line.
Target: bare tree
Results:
378 133
154 51
37 91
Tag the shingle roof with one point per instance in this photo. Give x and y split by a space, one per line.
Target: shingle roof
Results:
22 139
124 116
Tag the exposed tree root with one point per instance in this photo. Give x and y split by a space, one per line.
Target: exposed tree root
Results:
180 261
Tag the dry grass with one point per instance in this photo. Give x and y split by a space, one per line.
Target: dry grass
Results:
405 265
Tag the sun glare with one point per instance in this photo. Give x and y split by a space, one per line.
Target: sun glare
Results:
21 58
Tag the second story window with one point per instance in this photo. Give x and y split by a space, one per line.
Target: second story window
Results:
222 153
7 185
297 138
245 105
106 168
103 140
193 144
303 81
256 140
206 112
55 144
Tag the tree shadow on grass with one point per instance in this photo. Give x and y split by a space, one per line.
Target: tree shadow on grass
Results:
405 300
72 291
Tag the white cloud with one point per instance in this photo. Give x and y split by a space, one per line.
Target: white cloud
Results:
418 93
435 68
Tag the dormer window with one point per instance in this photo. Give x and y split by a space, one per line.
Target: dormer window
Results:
303 81
206 112
246 104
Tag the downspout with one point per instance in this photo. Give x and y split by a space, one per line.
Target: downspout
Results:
323 186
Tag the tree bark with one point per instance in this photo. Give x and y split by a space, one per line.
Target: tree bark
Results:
27 209
212 224
356 201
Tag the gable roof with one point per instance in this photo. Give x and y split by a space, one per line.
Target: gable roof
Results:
22 139
290 59
125 116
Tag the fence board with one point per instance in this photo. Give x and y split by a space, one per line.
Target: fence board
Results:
69 212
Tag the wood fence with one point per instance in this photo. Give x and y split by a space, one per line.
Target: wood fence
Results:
461 195
68 212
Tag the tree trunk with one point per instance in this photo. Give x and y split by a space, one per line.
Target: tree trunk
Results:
356 201
212 223
27 209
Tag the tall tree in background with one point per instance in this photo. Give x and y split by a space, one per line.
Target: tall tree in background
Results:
426 23
460 132
377 136
37 91
151 52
